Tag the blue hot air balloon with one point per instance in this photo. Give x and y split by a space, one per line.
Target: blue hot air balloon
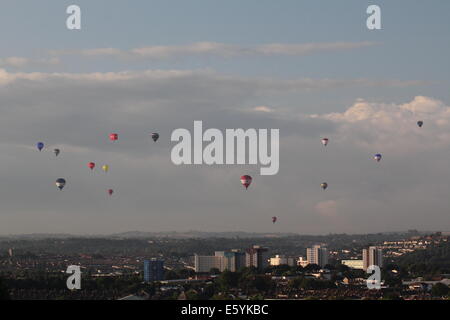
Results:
377 157
40 145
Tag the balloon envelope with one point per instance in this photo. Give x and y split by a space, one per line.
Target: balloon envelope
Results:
60 183
274 219
325 141
324 185
105 168
113 136
91 165
246 181
155 136
377 157
420 124
56 151
40 145
110 192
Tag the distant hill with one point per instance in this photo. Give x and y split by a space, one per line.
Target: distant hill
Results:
433 259
193 234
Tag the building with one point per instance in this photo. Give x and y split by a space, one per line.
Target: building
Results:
354 264
256 256
302 262
372 256
223 260
282 260
317 255
231 260
204 264
153 270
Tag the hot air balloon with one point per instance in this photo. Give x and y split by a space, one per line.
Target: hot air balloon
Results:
91 165
56 152
324 185
246 181
113 136
155 136
40 145
274 219
420 123
325 141
377 157
60 183
110 192
105 168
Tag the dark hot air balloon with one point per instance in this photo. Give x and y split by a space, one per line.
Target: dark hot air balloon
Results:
60 183
246 181
155 136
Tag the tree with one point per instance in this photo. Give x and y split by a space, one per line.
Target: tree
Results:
170 275
227 280
440 290
4 294
214 271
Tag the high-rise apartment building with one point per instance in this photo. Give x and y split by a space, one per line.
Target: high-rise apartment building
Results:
257 257
317 255
372 256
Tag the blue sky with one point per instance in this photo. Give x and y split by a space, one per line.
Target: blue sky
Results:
49 93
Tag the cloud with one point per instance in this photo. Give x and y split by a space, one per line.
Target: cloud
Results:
76 113
326 208
21 62
219 50
262 109
393 127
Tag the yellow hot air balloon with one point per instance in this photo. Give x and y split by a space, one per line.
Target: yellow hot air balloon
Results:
105 168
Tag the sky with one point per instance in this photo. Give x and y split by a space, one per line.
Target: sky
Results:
311 69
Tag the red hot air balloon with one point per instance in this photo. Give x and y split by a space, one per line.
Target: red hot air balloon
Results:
91 165
274 219
110 192
113 136
246 181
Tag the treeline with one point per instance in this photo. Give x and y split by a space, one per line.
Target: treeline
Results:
288 245
431 261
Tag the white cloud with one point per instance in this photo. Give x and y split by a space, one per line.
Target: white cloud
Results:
384 126
16 62
262 109
21 62
219 49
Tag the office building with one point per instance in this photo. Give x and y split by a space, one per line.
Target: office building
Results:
353 264
282 260
153 270
204 264
230 260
